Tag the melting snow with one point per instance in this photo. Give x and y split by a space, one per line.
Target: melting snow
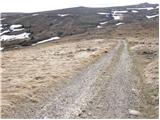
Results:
14 37
99 26
119 23
152 16
134 11
100 13
2 19
150 8
147 8
103 23
1 48
12 27
118 17
35 14
6 31
106 14
47 40
18 29
63 15
117 12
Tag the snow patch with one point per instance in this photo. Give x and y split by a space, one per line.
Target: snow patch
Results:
1 48
119 24
106 14
14 37
6 31
100 13
152 16
119 12
18 29
103 23
146 8
2 19
12 27
118 17
134 11
35 14
63 15
98 26
157 7
150 8
47 40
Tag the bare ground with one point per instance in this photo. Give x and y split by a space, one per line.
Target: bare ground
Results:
29 73
85 79
146 58
105 90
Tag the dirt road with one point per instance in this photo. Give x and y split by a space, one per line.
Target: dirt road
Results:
106 89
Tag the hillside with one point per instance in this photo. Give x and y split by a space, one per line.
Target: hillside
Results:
72 21
81 62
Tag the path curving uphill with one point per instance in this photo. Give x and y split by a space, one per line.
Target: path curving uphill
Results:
106 89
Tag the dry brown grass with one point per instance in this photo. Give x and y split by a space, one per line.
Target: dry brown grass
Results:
145 51
29 72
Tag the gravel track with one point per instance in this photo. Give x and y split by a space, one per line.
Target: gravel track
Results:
103 90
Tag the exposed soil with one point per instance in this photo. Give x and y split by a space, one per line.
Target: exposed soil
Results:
96 78
104 90
111 72
31 72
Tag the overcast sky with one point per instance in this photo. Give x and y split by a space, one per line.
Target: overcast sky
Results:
43 5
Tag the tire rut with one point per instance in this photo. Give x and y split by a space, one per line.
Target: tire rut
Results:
116 96
103 90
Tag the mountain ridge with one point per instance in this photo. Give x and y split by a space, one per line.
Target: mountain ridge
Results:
71 21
